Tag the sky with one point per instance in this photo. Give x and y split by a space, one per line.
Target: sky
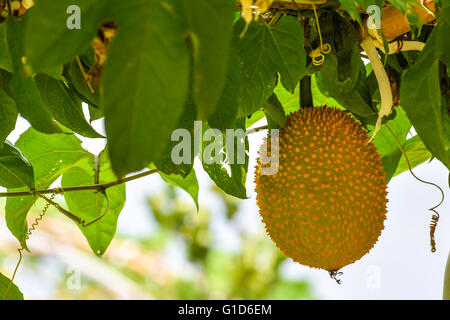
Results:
400 266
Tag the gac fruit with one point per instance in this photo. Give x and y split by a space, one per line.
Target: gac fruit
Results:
326 205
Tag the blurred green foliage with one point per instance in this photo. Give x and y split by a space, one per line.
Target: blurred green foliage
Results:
253 272
144 267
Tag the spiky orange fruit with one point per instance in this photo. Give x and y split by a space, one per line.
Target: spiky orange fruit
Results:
326 205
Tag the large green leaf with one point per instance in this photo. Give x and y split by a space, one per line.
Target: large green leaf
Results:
290 101
65 107
188 183
343 74
95 113
210 24
77 82
23 87
231 181
446 291
264 50
364 4
50 156
386 144
14 292
5 58
8 116
416 152
90 205
409 10
30 104
275 114
15 170
425 107
228 106
5 80
145 84
351 7
342 35
349 92
48 40
165 163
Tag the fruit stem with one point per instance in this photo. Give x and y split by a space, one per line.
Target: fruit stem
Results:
306 99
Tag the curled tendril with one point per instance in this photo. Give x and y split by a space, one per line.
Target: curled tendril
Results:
71 216
50 202
318 55
435 216
433 225
25 238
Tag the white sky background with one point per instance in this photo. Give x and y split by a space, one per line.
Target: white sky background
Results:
400 266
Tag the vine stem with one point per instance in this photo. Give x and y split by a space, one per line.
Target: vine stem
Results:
254 130
446 295
8 4
85 75
98 187
410 168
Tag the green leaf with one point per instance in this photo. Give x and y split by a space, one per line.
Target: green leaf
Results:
352 93
400 5
320 95
14 292
77 82
50 156
15 170
228 106
386 144
5 58
5 80
351 7
145 84
343 37
265 50
95 113
290 101
23 88
90 205
188 183
48 40
209 23
30 104
165 163
8 116
276 118
425 107
364 4
232 182
416 152
446 291
66 109
408 8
